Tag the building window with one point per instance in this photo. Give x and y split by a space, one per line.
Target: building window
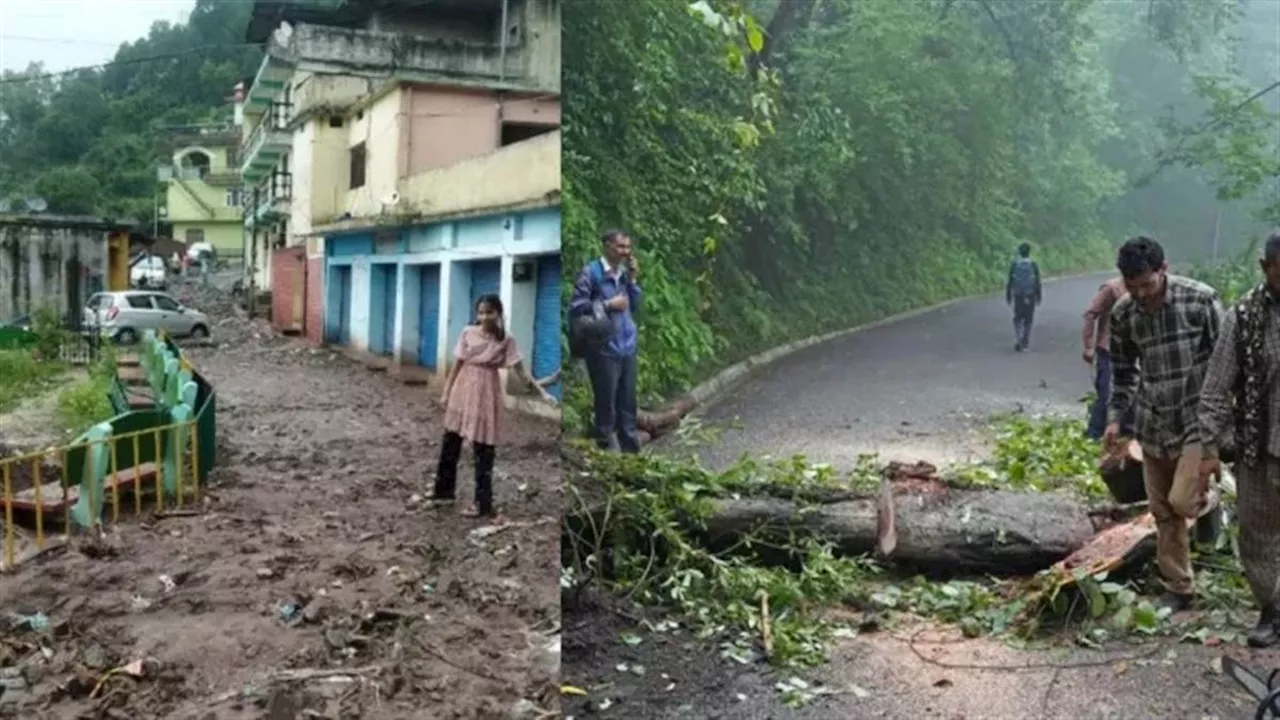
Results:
357 166
195 235
235 197
335 121
513 133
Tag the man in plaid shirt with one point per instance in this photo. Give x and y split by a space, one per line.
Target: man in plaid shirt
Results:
1162 336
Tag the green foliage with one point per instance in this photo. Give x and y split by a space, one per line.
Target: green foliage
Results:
1038 454
50 332
653 506
88 141
22 375
85 403
877 156
1234 277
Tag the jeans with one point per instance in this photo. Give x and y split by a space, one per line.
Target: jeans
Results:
613 386
447 471
1101 386
1024 314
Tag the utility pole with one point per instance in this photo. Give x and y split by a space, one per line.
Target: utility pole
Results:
1217 224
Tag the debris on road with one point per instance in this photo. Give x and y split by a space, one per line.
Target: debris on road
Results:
305 587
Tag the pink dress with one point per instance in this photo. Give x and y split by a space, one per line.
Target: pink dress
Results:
475 402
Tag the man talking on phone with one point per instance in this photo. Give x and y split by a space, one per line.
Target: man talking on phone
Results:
607 287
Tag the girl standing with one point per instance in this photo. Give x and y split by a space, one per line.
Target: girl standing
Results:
473 404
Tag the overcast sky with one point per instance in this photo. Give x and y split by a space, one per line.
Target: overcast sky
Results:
72 33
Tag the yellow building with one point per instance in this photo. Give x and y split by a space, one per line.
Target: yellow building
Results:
203 198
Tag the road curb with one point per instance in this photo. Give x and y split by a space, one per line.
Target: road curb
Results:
712 389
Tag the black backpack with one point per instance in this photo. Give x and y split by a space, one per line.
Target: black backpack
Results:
589 332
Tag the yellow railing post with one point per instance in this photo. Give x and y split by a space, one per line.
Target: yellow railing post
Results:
155 434
115 481
37 481
65 481
8 515
195 461
137 480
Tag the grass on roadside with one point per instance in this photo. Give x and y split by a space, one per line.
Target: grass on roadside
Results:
84 404
22 376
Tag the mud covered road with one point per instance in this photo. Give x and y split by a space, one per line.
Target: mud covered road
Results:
311 584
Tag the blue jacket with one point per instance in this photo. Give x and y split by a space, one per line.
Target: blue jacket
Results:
594 285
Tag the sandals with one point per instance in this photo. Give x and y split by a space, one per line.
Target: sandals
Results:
496 518
433 500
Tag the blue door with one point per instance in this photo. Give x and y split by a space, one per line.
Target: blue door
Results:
486 279
382 308
429 316
546 321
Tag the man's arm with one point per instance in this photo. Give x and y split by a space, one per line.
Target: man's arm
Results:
580 301
1215 410
1124 367
634 296
1101 303
1036 267
1008 283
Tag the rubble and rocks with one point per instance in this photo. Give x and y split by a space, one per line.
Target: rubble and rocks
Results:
308 586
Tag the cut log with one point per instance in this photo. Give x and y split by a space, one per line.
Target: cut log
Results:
959 532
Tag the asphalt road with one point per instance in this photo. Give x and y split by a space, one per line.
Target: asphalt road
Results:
919 388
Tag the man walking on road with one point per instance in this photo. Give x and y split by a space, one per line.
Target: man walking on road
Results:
1240 406
1097 351
607 287
1022 291
1164 329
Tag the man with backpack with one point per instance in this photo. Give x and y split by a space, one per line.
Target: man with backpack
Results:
603 333
1022 291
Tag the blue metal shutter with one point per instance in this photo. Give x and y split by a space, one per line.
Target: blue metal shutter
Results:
429 316
486 279
546 321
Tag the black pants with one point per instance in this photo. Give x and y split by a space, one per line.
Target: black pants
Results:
613 386
447 471
1024 314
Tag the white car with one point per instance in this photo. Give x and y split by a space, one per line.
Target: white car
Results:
149 271
124 316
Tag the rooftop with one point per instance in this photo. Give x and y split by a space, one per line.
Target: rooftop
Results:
354 14
78 222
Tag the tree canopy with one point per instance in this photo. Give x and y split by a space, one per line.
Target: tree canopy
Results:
87 140
789 168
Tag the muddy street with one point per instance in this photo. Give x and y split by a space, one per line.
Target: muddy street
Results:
311 583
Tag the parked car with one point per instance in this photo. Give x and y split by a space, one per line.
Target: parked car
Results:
149 271
124 316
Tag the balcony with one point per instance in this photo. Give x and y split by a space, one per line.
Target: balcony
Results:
268 141
271 199
521 175
223 178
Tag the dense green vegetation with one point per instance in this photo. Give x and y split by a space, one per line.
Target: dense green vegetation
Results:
88 141
790 168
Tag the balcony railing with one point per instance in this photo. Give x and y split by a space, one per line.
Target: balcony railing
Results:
168 173
276 190
274 120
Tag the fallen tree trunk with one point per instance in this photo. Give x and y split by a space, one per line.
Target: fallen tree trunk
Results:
958 532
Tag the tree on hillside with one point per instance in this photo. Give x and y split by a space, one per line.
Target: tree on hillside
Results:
86 140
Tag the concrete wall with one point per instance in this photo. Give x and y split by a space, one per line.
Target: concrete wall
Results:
379 128
516 174
319 164
42 265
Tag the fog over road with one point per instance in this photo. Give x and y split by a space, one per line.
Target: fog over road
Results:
913 389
